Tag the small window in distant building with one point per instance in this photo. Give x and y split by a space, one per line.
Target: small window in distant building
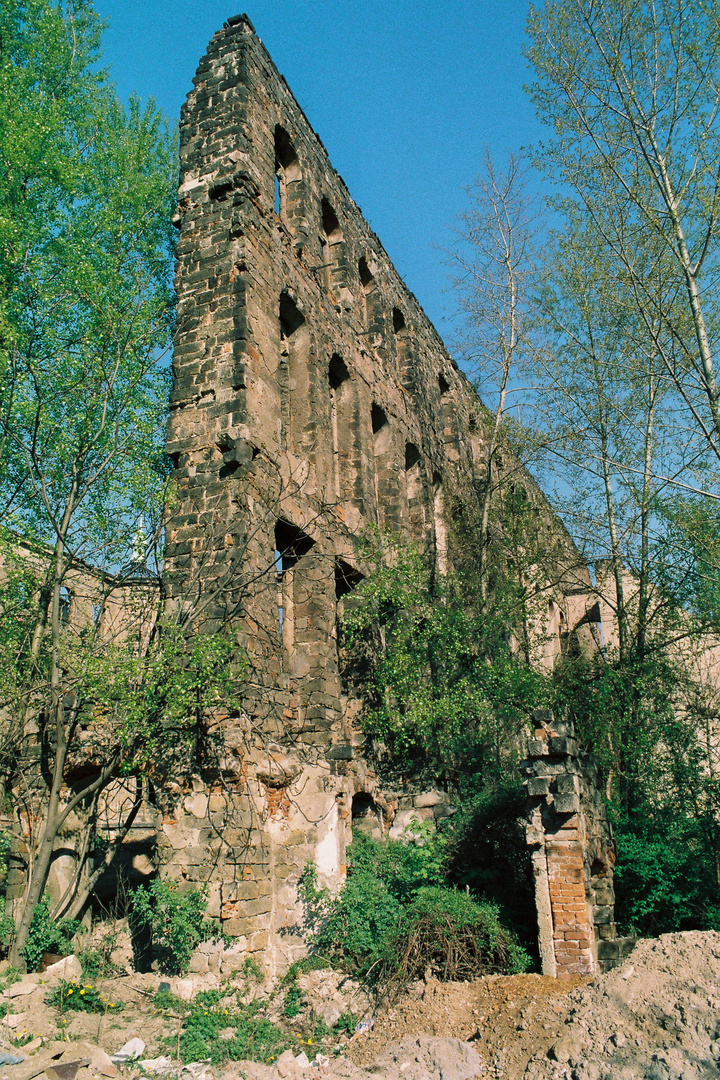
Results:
65 605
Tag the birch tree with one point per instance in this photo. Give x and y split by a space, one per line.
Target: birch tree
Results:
631 92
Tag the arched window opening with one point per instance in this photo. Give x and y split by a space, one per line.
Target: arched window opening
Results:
291 318
414 492
337 372
382 432
343 455
443 384
287 178
291 545
441 543
331 225
372 308
378 418
403 350
367 815
347 578
331 256
366 278
293 375
363 805
412 456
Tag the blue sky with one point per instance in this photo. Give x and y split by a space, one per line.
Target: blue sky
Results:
405 95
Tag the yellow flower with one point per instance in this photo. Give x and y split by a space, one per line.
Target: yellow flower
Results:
82 991
69 992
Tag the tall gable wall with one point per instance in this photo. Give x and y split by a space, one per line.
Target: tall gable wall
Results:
312 399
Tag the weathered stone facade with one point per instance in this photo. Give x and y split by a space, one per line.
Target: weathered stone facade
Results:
312 400
573 854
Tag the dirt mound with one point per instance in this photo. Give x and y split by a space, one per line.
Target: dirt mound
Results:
655 1018
506 1019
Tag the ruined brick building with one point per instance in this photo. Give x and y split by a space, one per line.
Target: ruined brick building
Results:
312 400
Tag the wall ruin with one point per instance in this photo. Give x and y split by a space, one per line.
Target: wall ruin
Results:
312 400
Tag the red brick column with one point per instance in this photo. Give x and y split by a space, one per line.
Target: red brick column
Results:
572 851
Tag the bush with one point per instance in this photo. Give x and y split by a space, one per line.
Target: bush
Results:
79 997
224 1032
665 878
176 921
453 936
47 935
389 921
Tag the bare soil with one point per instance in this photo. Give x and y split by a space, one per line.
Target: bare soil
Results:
507 1019
657 1017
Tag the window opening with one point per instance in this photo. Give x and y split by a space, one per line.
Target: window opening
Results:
366 277
329 241
371 298
330 222
441 543
378 418
65 603
338 375
347 578
443 384
412 455
398 321
291 318
287 172
363 806
291 544
294 378
337 372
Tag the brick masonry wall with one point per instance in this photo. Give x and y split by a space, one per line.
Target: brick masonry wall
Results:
573 854
311 399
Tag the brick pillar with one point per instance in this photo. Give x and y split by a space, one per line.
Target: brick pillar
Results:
573 854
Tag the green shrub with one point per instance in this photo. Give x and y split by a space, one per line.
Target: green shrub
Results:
176 921
451 934
79 997
47 935
292 1003
666 877
223 1033
346 1024
388 920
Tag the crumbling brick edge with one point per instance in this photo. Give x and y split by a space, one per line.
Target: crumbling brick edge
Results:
573 855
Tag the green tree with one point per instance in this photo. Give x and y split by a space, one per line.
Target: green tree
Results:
87 187
631 91
447 686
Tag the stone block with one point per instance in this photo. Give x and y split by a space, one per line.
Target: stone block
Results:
566 804
429 799
258 941
608 950
568 784
602 915
538 786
